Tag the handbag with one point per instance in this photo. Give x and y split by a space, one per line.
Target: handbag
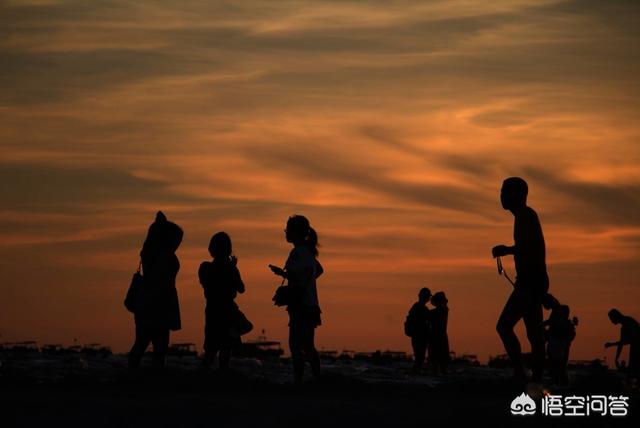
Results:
131 299
286 295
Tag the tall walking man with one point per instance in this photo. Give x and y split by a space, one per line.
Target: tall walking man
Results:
532 281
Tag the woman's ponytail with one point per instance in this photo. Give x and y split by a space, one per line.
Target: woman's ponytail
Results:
312 242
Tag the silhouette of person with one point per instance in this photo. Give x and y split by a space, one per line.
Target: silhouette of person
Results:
439 340
301 270
532 281
560 333
158 309
221 282
419 328
629 335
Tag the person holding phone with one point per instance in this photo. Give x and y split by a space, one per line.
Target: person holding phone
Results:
302 268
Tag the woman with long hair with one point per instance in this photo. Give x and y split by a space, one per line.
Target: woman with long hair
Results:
301 270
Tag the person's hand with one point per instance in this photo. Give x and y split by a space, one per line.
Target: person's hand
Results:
233 259
499 251
277 270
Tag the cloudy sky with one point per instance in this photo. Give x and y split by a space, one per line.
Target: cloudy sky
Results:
390 124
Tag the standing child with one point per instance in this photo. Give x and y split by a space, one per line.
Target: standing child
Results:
560 334
221 282
439 340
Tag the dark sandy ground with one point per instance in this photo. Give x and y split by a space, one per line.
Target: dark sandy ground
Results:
100 392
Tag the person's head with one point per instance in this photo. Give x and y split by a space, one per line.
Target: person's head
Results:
615 316
300 232
163 236
514 192
220 245
424 295
439 299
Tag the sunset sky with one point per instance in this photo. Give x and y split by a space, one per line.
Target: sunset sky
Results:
389 124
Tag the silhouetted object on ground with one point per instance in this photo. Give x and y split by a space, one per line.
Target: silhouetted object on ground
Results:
532 281
464 359
388 357
328 355
26 347
301 270
417 327
52 349
560 333
157 310
629 335
439 340
96 350
260 348
380 357
221 281
182 350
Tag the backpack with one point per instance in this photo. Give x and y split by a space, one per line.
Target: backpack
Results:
409 325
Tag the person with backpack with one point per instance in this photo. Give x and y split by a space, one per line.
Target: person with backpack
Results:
417 327
560 332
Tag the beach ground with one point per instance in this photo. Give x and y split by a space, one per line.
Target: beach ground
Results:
104 393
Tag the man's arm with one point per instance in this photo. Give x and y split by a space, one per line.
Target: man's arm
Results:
503 250
618 352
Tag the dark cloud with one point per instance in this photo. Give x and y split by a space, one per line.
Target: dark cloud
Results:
317 164
412 57
392 138
618 17
61 76
477 165
590 203
42 187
